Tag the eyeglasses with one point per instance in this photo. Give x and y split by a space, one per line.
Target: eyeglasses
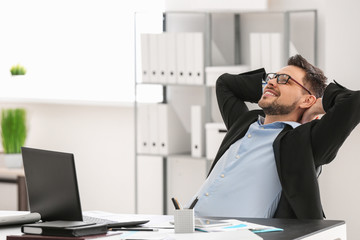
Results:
283 79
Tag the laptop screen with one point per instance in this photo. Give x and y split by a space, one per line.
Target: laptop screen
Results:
52 184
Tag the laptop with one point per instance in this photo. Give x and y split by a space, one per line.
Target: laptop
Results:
53 189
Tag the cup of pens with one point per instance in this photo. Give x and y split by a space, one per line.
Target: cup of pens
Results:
184 219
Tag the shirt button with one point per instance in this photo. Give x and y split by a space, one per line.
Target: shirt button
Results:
222 175
249 136
237 156
206 194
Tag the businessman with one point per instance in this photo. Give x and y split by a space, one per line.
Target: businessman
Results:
267 165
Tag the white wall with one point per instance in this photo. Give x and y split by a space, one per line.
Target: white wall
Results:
102 140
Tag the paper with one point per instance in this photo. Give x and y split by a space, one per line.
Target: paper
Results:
240 225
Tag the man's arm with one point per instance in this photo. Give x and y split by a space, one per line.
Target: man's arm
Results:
342 107
233 91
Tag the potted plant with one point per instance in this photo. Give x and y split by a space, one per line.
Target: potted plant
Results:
13 135
17 70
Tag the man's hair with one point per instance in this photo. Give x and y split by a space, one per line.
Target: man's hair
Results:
313 75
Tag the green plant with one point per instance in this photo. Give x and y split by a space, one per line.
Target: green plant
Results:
13 129
17 70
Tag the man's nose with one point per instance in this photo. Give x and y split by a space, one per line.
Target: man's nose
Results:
272 81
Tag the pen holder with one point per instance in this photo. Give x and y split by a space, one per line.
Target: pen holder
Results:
184 221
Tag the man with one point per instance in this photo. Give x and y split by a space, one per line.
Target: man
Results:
267 165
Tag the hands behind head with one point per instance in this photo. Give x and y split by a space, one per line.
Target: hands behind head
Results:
314 111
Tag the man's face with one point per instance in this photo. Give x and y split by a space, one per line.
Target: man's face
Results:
282 99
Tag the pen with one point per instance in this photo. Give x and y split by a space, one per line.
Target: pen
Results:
194 203
176 203
134 229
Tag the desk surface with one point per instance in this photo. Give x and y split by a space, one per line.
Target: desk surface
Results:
293 228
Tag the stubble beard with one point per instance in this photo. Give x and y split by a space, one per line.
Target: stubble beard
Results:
274 108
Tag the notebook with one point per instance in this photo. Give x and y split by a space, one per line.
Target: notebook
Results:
53 189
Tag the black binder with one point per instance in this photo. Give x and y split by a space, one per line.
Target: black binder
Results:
64 228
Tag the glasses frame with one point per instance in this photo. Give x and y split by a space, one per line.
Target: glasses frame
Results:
276 75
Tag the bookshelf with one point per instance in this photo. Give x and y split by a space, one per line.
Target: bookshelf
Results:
223 43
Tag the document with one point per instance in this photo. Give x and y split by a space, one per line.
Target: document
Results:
236 225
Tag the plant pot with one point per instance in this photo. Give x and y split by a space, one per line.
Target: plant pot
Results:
13 160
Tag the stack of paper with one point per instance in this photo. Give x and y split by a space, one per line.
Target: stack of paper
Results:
235 225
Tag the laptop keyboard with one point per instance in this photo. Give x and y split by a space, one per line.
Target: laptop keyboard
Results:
97 220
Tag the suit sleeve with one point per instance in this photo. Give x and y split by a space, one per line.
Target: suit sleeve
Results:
233 91
342 107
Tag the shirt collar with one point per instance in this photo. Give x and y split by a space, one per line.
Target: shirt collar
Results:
261 121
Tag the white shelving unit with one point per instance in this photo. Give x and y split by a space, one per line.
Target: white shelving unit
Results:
226 42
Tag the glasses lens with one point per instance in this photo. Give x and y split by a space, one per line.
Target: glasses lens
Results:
283 78
270 76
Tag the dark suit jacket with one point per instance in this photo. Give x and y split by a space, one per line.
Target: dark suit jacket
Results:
298 152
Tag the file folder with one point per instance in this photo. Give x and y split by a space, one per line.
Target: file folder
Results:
181 58
198 69
197 131
255 51
172 135
171 52
276 52
153 128
265 51
154 58
145 67
162 67
143 140
190 58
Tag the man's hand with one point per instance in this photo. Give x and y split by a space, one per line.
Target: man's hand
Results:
315 110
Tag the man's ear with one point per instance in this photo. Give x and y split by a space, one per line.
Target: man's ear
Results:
308 101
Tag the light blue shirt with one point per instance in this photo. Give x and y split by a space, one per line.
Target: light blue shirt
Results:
244 182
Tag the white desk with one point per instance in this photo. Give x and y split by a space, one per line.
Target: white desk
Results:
293 229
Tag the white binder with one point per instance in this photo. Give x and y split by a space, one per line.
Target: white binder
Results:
171 57
181 57
190 58
276 52
198 74
172 135
197 131
255 51
265 51
145 55
154 58
143 140
153 129
162 67
150 184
